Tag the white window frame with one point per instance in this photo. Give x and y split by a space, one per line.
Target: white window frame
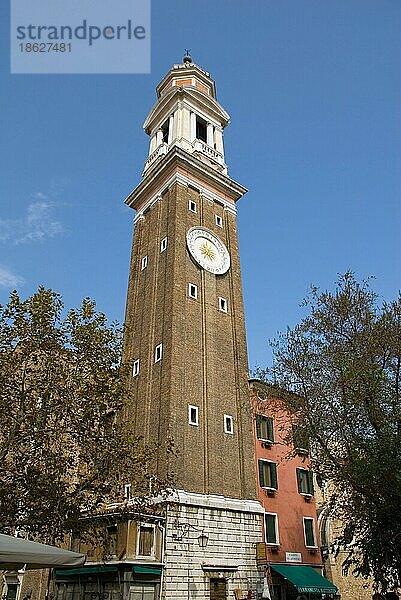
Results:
190 421
144 262
127 491
163 245
158 352
226 430
219 221
136 368
314 531
192 206
153 551
195 295
277 542
223 305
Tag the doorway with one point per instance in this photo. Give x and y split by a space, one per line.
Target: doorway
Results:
218 589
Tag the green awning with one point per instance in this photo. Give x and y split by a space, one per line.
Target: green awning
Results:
87 570
146 570
305 579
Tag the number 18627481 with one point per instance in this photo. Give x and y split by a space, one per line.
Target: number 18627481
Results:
45 47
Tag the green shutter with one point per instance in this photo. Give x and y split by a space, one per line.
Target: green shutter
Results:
310 483
299 480
300 438
309 532
270 430
270 523
273 468
258 432
261 474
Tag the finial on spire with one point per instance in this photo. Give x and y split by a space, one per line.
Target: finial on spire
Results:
187 58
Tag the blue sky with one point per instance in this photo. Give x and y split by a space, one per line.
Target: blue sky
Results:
313 90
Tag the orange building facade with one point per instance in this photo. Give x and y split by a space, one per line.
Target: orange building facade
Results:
285 489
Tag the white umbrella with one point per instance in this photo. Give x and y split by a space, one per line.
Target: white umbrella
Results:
16 552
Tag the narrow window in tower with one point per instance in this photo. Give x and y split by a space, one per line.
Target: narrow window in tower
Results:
193 415
223 305
228 424
127 491
135 368
158 352
192 206
164 129
219 220
163 244
193 291
201 129
144 263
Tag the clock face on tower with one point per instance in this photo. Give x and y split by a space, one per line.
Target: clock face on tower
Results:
208 250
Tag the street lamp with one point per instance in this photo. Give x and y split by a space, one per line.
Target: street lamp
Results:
183 529
203 540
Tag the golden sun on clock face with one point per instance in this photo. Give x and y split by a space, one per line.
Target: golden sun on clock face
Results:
208 250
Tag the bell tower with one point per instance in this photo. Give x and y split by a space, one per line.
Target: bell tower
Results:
185 319
184 325
187 116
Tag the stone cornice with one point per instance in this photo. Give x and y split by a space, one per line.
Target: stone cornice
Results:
195 172
213 501
186 70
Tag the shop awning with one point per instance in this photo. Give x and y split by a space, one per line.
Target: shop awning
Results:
88 570
305 579
17 552
139 569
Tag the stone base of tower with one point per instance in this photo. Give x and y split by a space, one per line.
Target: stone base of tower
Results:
210 548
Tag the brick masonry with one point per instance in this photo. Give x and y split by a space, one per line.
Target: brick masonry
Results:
204 350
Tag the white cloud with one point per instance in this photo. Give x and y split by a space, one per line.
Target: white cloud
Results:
36 225
9 279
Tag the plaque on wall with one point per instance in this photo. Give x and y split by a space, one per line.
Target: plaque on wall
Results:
293 557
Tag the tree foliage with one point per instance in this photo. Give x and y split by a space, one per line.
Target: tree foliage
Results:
343 361
63 450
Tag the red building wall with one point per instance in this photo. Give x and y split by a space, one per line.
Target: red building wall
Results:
285 501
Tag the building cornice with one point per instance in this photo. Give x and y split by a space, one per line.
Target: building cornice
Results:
213 501
186 70
178 165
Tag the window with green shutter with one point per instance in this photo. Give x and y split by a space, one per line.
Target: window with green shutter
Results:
268 474
264 428
300 439
305 481
309 531
271 530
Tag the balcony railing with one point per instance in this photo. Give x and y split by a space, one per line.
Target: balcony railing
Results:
208 151
160 151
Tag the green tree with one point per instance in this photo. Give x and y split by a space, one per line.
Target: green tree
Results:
64 451
343 361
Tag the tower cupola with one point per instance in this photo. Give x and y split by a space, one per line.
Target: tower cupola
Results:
187 115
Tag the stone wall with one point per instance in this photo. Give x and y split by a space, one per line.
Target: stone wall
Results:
232 527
